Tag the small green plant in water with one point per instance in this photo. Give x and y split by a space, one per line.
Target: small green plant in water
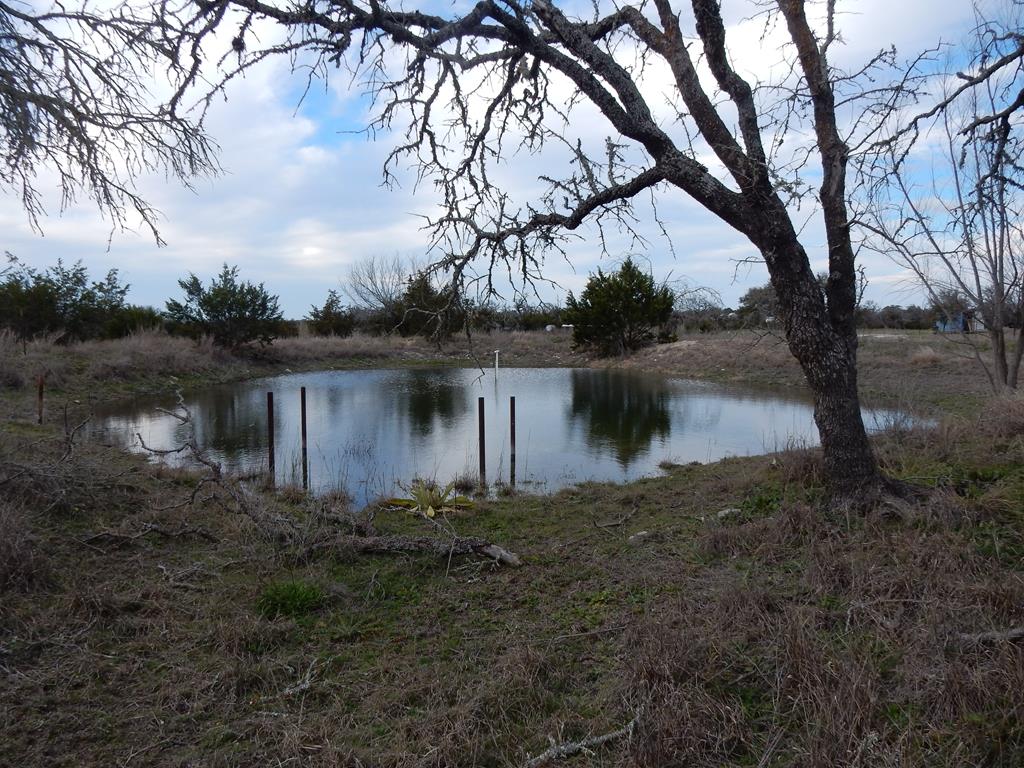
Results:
290 598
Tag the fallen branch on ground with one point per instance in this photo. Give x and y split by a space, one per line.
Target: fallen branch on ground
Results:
1009 635
418 544
151 528
570 748
240 500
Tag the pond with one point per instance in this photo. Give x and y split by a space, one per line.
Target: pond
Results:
370 431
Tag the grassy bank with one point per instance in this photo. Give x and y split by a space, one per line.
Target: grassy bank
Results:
719 609
152 361
921 370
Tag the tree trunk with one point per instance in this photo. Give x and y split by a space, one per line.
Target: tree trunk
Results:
825 344
851 469
1000 366
1018 354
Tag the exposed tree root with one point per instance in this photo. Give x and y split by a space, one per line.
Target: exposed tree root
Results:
885 496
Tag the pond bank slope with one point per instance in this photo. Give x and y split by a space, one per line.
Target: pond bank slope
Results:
720 609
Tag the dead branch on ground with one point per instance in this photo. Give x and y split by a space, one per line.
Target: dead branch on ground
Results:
1013 635
149 528
389 545
560 751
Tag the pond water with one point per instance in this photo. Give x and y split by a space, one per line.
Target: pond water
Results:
370 430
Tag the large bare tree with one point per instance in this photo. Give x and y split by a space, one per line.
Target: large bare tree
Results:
471 88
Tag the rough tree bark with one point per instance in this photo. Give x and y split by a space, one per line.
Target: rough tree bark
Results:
487 71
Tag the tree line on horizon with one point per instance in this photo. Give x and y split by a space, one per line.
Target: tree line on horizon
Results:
386 296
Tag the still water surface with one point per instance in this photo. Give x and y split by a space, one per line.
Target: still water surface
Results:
370 430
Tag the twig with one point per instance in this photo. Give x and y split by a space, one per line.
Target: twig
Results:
1009 635
70 445
133 753
302 685
429 545
570 748
574 635
770 749
614 523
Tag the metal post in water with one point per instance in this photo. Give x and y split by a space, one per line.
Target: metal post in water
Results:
512 420
483 455
496 353
270 435
305 456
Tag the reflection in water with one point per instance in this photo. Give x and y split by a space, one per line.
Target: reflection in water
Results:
428 395
231 422
370 430
622 412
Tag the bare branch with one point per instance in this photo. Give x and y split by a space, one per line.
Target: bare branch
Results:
74 101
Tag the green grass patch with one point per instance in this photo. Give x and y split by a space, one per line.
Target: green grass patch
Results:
293 599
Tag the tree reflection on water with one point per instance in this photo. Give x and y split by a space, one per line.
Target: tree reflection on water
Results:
429 396
621 412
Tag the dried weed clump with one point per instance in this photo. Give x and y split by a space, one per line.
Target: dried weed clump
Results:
23 565
925 356
150 353
1003 418
814 644
800 465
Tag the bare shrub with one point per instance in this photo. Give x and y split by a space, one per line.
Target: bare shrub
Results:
1003 417
12 376
925 356
22 564
149 353
55 475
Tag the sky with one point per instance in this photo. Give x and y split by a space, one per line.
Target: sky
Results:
300 198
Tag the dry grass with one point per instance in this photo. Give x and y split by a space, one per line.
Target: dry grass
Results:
950 381
850 659
153 352
775 635
305 349
22 564
153 360
925 356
